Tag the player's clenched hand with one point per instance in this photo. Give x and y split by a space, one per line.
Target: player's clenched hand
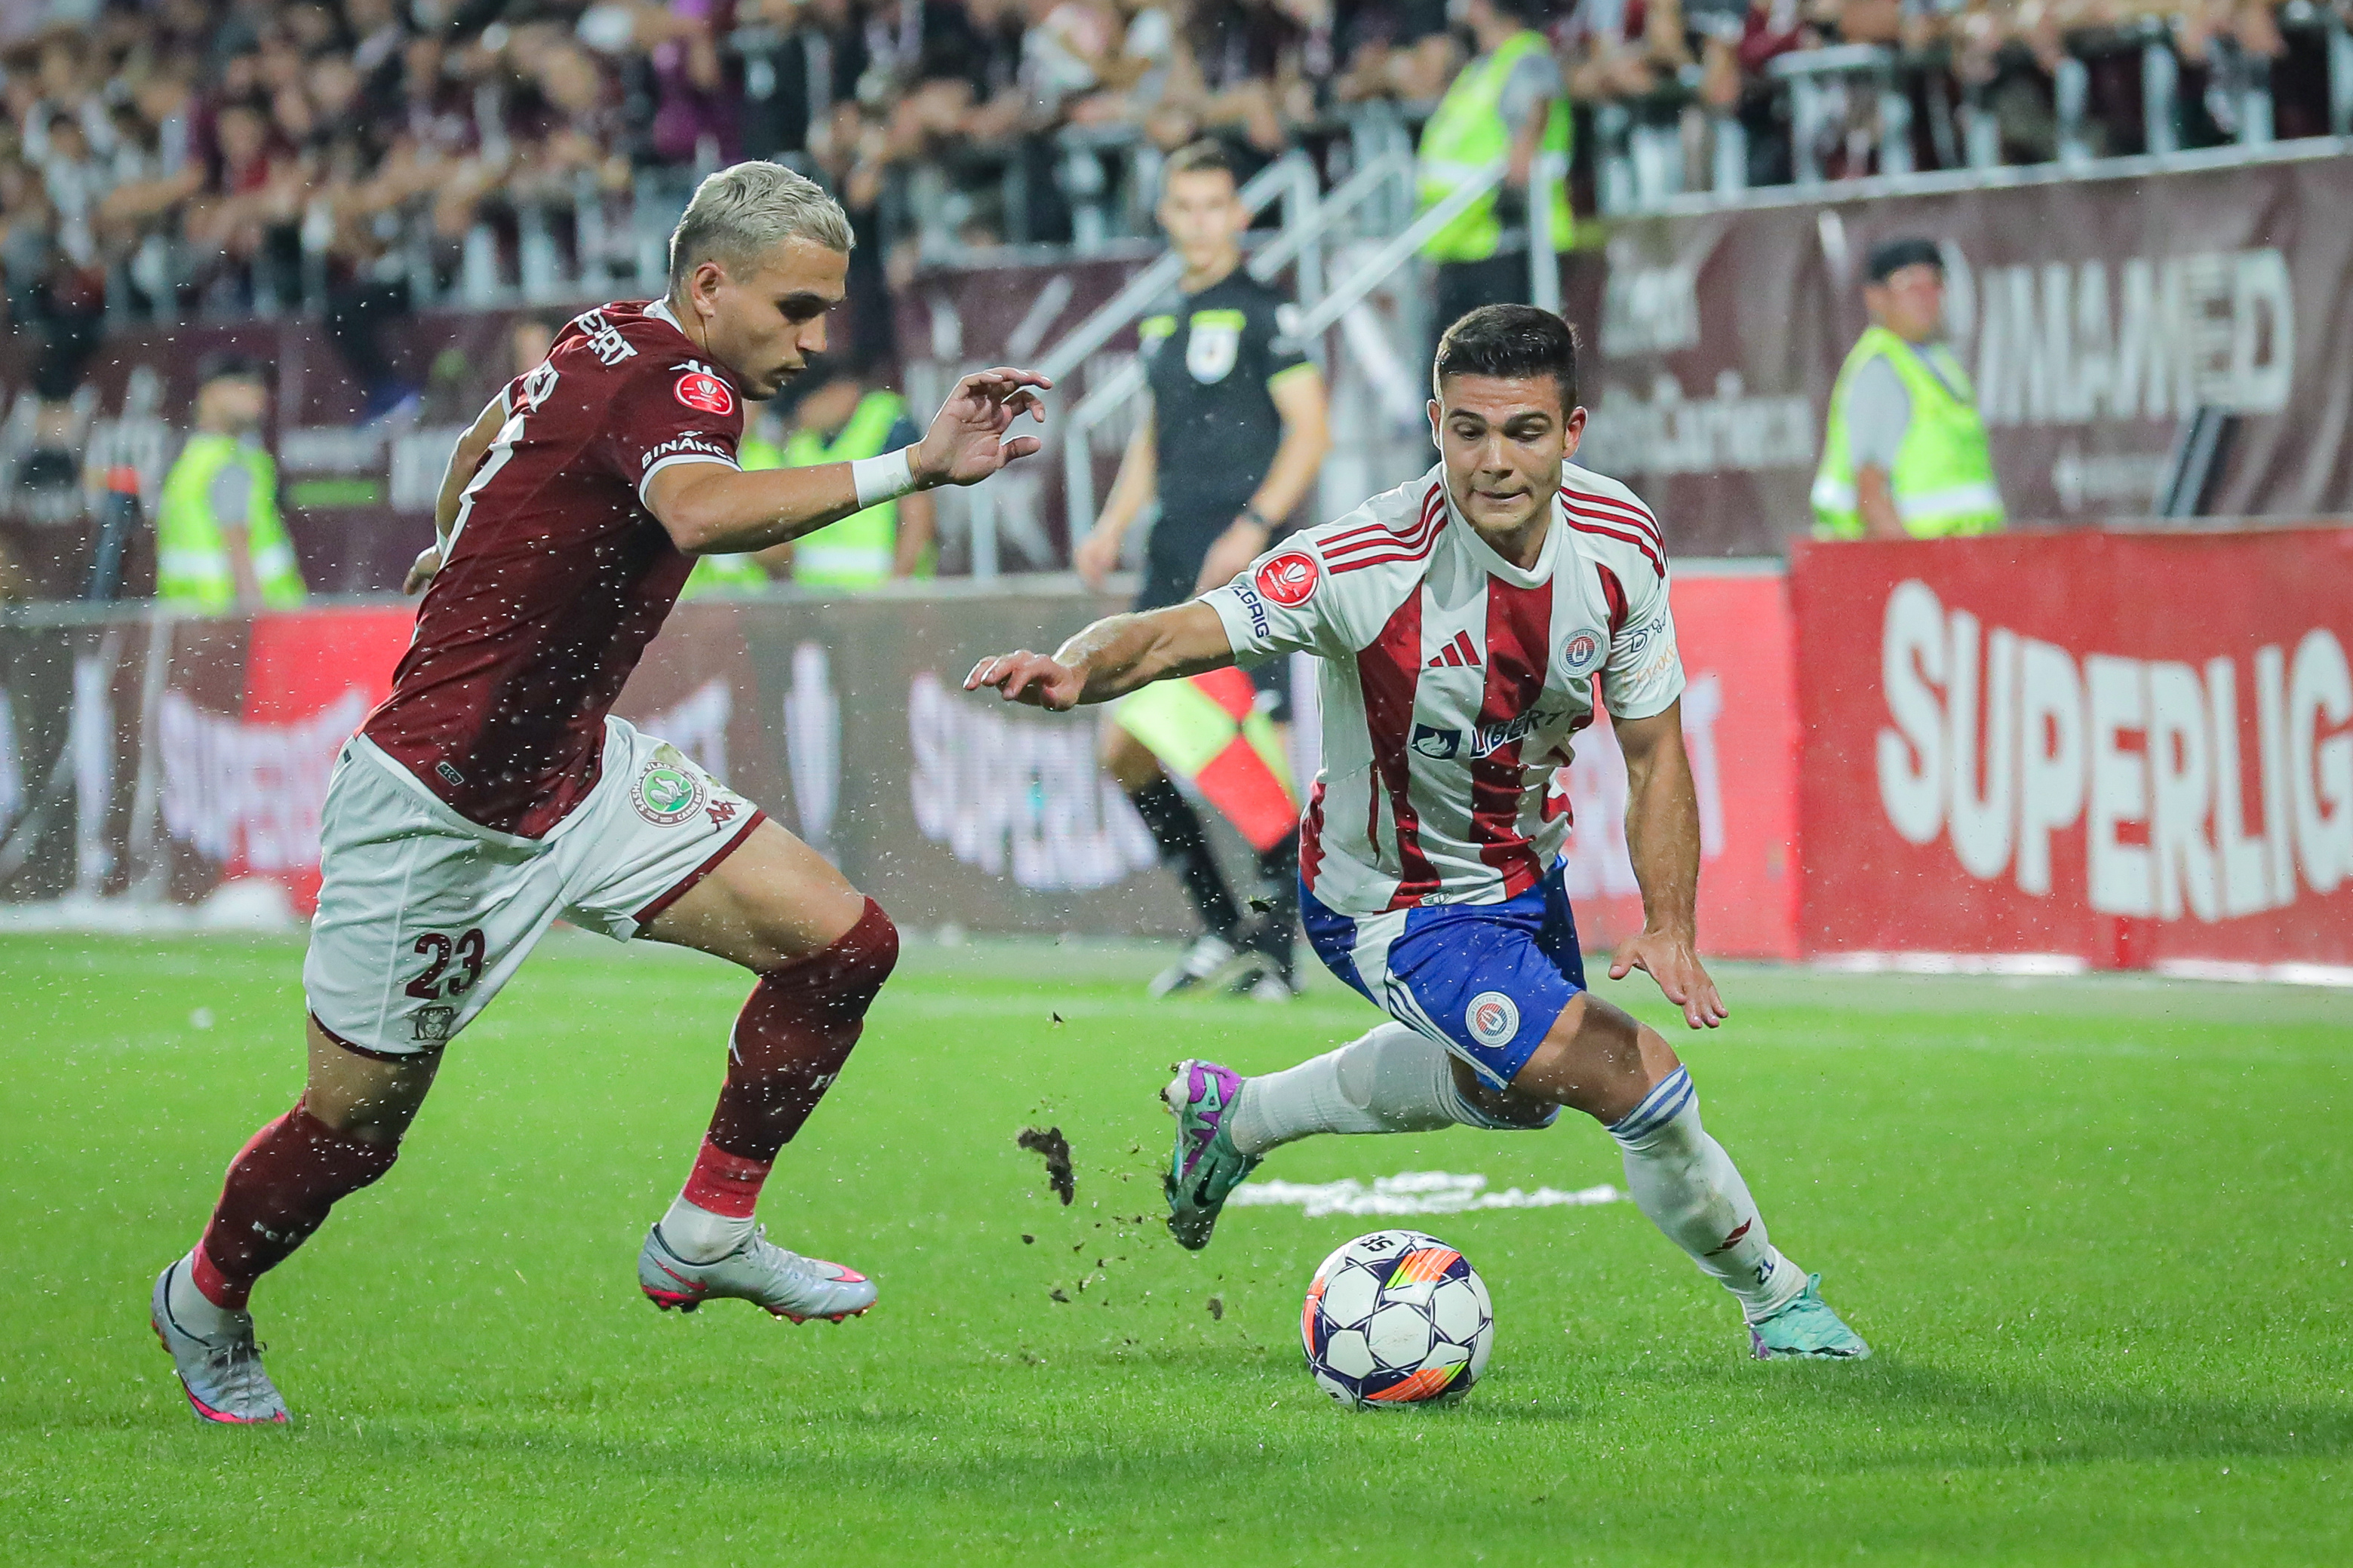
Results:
421 570
1669 961
966 442
1031 677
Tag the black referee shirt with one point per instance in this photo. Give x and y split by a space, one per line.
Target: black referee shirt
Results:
1211 359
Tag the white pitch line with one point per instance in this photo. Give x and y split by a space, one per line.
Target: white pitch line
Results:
1412 1193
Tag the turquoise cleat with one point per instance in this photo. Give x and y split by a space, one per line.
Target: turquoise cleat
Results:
1806 1328
1205 1167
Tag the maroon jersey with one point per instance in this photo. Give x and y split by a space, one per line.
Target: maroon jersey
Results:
556 576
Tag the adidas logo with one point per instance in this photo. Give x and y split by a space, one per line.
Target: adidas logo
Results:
1461 651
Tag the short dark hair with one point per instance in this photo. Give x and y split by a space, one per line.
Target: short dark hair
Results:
1890 257
1514 342
1207 156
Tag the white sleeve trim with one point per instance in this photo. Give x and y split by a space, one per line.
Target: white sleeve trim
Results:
682 457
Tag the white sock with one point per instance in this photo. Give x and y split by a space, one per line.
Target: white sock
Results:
190 1308
1390 1080
1687 1185
698 1236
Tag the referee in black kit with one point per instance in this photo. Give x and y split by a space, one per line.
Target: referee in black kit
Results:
1229 446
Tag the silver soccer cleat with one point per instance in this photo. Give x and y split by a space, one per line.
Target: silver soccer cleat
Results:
784 1283
1203 963
221 1372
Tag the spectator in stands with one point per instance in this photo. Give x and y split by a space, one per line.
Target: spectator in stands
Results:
1507 105
1905 455
1395 49
56 298
220 543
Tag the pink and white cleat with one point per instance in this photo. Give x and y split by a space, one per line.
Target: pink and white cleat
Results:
785 1283
219 1365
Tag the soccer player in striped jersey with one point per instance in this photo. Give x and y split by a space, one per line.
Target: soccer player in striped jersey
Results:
1461 622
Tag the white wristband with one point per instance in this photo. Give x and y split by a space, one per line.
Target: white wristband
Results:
886 478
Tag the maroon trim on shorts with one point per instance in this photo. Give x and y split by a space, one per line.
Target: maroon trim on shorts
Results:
647 916
373 1055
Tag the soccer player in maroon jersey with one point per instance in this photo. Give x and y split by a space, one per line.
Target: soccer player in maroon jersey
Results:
493 792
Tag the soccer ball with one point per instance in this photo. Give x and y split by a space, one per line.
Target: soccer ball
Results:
1397 1318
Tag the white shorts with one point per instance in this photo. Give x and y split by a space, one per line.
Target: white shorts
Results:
423 915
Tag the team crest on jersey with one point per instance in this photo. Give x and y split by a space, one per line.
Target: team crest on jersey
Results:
1212 347
1492 1018
1290 579
668 792
1439 745
701 389
1581 652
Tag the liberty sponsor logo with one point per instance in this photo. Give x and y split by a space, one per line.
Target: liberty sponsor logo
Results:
1290 579
668 791
700 389
1442 744
1581 652
1488 739
1492 1018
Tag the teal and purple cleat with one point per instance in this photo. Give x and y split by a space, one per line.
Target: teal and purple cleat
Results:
1804 1329
1205 1167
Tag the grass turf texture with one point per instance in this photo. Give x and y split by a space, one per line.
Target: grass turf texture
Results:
2096 1228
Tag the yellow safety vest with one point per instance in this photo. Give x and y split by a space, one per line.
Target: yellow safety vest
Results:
859 549
737 573
1943 483
192 565
1466 135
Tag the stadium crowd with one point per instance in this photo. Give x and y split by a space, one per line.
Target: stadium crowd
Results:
211 151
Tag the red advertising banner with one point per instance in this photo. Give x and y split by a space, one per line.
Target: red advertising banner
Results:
1740 726
2124 749
243 774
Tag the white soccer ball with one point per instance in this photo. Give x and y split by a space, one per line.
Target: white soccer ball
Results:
1397 1318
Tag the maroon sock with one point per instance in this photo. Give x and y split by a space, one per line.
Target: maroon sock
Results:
279 1190
790 1040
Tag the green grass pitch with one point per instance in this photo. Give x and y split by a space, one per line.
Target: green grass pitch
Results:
2097 1228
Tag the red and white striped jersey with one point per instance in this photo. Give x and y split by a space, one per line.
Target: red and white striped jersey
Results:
1453 681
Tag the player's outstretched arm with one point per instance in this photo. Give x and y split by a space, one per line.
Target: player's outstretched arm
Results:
1111 658
1662 839
710 509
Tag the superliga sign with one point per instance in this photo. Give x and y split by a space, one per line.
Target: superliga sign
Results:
2124 749
1997 741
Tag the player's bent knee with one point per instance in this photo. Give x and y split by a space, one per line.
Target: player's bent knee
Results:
849 971
1597 1058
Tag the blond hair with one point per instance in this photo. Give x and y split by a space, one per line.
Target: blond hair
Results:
738 213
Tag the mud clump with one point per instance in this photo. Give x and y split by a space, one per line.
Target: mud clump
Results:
1057 1150
1217 1310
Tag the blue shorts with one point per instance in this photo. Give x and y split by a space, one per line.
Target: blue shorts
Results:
1485 981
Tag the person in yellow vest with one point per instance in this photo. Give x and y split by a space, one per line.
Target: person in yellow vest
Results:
1507 103
220 544
841 418
1905 454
